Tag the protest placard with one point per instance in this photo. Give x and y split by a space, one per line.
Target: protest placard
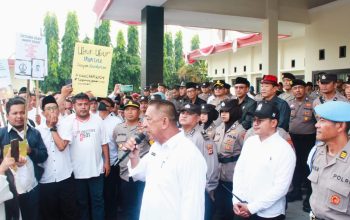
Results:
5 80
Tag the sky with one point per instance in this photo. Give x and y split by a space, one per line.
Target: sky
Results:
27 16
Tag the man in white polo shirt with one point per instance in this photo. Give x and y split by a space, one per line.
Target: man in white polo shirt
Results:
57 189
264 169
87 146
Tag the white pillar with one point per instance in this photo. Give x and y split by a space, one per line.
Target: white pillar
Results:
270 39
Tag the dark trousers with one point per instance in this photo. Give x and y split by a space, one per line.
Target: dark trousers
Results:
58 200
209 207
303 143
29 204
111 183
131 198
90 192
256 217
223 201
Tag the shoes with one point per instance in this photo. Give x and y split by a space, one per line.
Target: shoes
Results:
294 196
306 205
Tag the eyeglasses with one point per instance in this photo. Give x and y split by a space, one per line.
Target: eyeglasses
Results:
52 108
259 120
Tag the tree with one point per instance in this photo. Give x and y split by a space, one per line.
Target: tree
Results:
178 50
70 37
133 58
119 62
87 40
195 42
170 76
102 34
52 41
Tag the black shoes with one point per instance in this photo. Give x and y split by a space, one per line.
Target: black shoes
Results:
294 196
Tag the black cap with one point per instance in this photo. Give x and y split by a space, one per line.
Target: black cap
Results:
206 108
190 85
348 81
146 88
227 86
109 100
155 97
328 77
219 83
191 108
205 84
298 82
183 84
46 100
288 76
122 107
22 90
266 109
227 105
198 86
143 99
132 103
241 80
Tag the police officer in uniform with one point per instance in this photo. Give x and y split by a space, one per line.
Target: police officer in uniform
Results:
189 120
330 173
219 93
248 105
192 94
229 138
303 133
208 116
206 92
328 89
176 99
347 89
287 79
131 192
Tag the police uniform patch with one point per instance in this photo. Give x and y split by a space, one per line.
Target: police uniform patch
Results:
323 77
210 149
343 155
306 118
308 105
335 200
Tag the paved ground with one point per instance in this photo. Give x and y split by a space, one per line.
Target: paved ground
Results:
295 211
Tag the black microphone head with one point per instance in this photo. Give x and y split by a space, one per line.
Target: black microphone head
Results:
139 137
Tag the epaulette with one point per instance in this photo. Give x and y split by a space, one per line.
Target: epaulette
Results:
205 135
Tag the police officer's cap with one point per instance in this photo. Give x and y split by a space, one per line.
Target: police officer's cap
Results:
288 76
143 99
206 108
132 103
190 85
191 108
153 86
183 84
205 84
155 97
219 83
241 80
298 82
269 79
227 86
327 77
227 105
176 87
146 88
334 111
348 81
266 110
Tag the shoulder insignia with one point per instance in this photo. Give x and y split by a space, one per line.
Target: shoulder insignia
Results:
205 135
192 132
343 154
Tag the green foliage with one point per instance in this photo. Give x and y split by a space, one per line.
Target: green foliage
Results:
87 40
101 35
133 41
51 82
70 37
170 76
195 42
133 74
178 50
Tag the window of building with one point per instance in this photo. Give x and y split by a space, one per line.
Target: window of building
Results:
342 52
235 69
216 71
223 70
260 66
293 63
321 54
244 68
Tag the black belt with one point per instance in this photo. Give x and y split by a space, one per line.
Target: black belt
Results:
228 159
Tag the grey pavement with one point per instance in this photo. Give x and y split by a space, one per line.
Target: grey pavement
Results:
295 211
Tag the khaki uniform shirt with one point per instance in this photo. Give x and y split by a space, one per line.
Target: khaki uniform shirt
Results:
337 97
229 145
286 96
209 151
204 96
210 131
302 119
330 184
122 132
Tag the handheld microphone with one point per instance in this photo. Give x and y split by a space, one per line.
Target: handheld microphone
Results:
138 138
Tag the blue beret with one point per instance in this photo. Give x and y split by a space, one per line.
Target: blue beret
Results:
334 111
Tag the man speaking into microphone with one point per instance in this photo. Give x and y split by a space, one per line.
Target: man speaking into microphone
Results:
174 170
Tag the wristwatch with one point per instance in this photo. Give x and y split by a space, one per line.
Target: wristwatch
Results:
54 128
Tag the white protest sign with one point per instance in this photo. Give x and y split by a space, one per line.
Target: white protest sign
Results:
31 57
5 80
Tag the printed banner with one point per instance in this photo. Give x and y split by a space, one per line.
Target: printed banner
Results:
5 80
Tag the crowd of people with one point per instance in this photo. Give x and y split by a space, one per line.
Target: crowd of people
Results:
190 151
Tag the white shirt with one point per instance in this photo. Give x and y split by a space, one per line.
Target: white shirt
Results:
109 124
86 145
175 176
58 165
263 174
5 194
